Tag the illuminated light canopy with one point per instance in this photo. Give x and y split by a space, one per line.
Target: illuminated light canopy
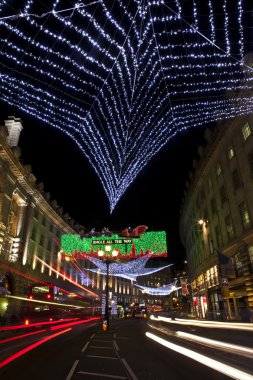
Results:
122 78
152 243
159 291
130 270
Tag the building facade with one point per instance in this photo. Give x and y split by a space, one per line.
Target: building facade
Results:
216 223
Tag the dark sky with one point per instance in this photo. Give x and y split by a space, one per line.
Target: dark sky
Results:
153 199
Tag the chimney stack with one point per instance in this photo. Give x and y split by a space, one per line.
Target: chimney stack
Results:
14 127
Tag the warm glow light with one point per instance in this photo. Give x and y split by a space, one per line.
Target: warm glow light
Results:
115 253
100 253
108 248
211 363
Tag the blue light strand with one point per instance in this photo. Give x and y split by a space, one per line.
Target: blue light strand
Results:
121 79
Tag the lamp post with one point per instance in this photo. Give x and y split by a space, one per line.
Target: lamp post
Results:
107 261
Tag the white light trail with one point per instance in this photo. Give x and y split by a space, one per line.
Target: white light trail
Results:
215 343
46 302
207 324
202 359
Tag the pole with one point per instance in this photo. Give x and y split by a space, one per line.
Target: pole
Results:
107 294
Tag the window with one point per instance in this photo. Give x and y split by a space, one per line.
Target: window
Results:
229 227
210 244
250 157
251 256
245 215
213 205
41 239
33 233
218 170
223 194
246 131
230 153
218 236
49 244
236 179
238 265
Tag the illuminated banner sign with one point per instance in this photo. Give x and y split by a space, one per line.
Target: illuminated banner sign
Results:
128 247
112 241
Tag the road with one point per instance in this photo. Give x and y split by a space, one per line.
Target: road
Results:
85 351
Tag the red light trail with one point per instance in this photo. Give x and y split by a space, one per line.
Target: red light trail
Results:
29 348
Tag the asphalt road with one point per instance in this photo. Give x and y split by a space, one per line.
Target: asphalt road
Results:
124 352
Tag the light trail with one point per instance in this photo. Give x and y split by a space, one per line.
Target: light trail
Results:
215 343
75 323
46 302
202 359
206 324
65 276
18 327
21 336
34 279
29 348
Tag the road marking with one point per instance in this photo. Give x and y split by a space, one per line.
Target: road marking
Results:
129 369
101 357
101 375
85 347
107 348
115 345
92 336
101 340
72 370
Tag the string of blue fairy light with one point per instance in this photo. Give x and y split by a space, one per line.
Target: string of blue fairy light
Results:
122 78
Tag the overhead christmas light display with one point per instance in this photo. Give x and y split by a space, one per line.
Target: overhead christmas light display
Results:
130 270
122 78
149 243
164 290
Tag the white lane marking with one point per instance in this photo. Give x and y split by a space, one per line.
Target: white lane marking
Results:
72 370
114 336
86 345
214 364
101 357
101 375
107 348
115 345
131 373
92 336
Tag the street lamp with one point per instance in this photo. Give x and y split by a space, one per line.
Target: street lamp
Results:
107 261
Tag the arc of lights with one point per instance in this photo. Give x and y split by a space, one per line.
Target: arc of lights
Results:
123 91
159 291
130 270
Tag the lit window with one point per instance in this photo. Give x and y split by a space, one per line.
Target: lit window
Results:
229 227
246 132
231 153
218 170
245 215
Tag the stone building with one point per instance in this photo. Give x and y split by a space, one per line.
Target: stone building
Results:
216 222
30 227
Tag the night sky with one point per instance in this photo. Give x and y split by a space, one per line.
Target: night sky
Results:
154 198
